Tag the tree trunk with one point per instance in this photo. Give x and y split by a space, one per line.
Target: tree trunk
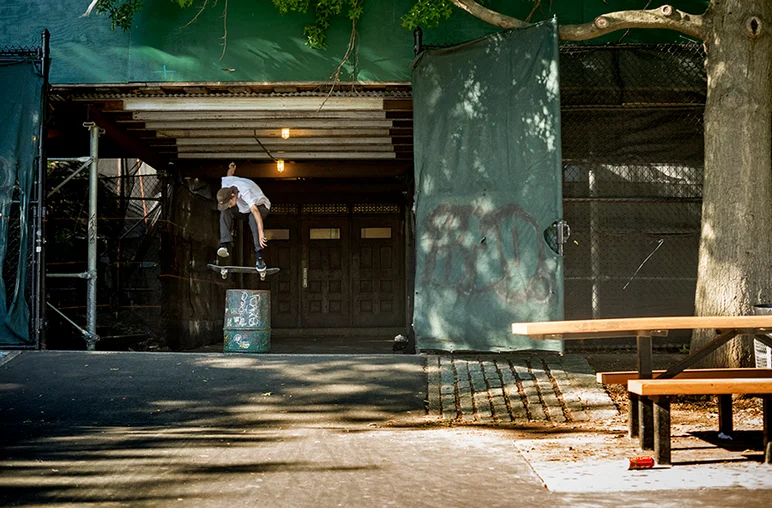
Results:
735 259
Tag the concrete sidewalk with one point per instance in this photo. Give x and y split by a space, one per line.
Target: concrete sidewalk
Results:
154 429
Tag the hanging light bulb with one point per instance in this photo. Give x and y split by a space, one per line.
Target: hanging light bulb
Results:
285 133
280 165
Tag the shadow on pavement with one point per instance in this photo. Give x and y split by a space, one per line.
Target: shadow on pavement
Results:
130 424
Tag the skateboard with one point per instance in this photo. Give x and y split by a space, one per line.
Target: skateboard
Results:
224 270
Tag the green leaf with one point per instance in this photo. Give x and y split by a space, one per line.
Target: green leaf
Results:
427 14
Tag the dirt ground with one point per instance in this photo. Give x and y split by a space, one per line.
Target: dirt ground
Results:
694 427
700 411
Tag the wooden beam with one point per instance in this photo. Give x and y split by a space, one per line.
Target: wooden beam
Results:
281 144
127 141
279 151
374 190
251 103
150 116
293 123
289 156
315 169
274 133
398 104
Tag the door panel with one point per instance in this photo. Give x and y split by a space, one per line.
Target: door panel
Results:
377 277
325 296
283 252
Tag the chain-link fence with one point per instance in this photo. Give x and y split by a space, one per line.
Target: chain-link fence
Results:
632 133
130 207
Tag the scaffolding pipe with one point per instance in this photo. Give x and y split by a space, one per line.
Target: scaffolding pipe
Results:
80 275
38 311
76 173
73 323
72 159
91 294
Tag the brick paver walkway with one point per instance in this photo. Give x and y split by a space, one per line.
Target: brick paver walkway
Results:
515 388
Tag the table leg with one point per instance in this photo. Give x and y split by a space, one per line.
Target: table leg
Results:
725 424
645 414
644 357
646 423
632 415
662 430
767 412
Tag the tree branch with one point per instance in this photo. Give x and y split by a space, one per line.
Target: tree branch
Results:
489 16
89 9
665 17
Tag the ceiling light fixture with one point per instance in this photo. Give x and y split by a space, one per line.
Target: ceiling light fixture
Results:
280 165
285 133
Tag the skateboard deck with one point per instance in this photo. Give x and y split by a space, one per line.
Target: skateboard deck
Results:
225 270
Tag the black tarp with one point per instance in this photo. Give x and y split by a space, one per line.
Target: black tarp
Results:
21 85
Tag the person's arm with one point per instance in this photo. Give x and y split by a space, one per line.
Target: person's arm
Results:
231 169
260 232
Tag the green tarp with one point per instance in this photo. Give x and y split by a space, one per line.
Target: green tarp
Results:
488 190
21 84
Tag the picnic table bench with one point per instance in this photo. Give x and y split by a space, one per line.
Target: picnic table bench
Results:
660 392
641 415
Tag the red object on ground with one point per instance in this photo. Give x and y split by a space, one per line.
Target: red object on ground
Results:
644 462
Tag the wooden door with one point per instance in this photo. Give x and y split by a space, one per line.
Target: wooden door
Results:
325 294
283 252
377 274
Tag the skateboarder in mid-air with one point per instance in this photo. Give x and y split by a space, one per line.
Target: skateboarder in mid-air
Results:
243 199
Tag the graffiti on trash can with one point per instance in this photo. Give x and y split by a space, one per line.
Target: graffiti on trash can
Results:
247 313
240 341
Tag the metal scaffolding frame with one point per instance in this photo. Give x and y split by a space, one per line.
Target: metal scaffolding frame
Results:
90 332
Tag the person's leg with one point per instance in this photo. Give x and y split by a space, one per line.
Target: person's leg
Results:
226 223
255 238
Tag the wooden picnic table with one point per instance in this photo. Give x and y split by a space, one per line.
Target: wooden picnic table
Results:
643 329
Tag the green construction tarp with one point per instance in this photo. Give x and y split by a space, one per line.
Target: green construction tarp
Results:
21 85
488 191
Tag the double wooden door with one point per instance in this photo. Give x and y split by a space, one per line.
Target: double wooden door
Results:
337 271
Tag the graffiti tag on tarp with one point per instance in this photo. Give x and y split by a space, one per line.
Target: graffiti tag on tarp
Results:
473 250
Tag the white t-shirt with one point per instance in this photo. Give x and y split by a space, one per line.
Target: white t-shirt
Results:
249 193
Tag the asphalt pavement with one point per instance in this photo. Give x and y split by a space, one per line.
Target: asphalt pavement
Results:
159 429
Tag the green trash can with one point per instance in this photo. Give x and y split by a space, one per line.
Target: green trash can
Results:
247 327
763 353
